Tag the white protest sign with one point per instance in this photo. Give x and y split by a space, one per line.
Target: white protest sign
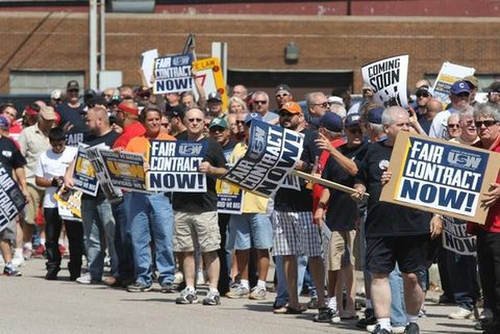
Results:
388 77
173 74
448 74
147 66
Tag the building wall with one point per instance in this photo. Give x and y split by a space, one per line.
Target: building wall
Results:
59 41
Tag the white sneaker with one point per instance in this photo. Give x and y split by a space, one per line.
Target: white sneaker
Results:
486 314
18 258
461 313
178 278
395 329
84 279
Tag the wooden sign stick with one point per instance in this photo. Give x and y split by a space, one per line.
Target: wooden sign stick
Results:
326 183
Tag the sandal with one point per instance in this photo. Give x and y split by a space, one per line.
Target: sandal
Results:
291 310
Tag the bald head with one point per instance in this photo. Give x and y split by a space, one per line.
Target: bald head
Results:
97 120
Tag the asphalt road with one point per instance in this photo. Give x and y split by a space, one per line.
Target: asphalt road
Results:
30 304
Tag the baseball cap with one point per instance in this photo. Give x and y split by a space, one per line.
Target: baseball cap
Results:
423 89
459 86
352 120
292 108
336 100
55 94
48 113
30 111
176 111
4 122
494 87
252 116
283 87
218 122
331 121
73 85
472 81
375 115
214 96
366 85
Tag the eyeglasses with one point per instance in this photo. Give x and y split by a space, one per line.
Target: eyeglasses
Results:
487 123
217 129
259 102
323 105
423 95
191 120
453 126
286 114
164 124
240 122
282 95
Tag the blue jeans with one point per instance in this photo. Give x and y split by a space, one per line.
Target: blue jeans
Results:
281 291
151 216
99 231
398 313
123 239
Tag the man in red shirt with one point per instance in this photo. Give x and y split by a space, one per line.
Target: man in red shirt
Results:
127 117
487 121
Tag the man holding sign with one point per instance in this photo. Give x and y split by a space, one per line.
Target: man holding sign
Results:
393 233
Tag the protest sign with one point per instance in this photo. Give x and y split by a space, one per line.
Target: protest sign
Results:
271 155
173 74
12 200
388 77
84 176
448 74
455 237
440 177
229 198
69 203
147 67
209 72
125 170
107 187
173 166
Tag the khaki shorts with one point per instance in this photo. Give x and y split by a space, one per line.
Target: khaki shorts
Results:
9 232
340 251
31 209
200 228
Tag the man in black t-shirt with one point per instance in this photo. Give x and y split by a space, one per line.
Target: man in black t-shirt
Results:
196 220
72 114
97 215
393 233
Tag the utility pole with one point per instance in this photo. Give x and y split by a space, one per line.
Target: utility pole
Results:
93 44
103 36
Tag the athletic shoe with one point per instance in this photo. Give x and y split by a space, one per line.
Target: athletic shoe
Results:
238 291
212 298
395 329
139 287
379 330
86 279
18 258
369 319
187 296
179 277
27 252
167 288
461 313
324 315
11 270
258 293
412 328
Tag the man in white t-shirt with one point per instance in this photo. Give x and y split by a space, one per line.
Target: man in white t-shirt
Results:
50 175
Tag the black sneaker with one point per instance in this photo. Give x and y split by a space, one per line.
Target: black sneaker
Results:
379 330
369 319
167 288
138 287
187 297
325 315
11 270
412 328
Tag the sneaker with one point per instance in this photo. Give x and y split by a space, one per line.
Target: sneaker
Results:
313 303
139 287
179 277
486 314
324 315
238 291
11 270
167 288
18 258
412 328
369 319
258 293
86 279
27 252
399 329
378 330
212 298
187 296
461 313
51 275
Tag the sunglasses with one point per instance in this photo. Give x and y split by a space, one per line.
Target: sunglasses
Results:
423 95
286 114
323 105
453 126
217 129
486 123
260 102
192 120
164 124
282 95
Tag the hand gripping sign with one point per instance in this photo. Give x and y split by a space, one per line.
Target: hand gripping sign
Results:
12 200
440 177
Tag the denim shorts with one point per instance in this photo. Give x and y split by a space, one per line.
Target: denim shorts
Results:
250 229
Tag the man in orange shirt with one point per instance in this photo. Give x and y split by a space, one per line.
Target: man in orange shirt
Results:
150 216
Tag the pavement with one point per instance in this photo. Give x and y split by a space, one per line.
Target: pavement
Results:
31 304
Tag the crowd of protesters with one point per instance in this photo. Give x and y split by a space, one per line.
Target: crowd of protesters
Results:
181 242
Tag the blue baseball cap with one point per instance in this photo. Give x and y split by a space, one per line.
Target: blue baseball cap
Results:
331 121
252 116
375 115
4 122
460 86
352 120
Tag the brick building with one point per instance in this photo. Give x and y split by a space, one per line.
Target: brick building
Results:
42 39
